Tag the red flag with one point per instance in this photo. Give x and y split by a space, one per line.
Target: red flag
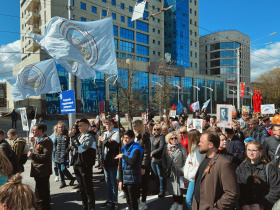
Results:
257 100
242 88
173 107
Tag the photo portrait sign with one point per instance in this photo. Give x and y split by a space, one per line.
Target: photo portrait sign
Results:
24 120
224 115
194 124
172 113
268 109
144 117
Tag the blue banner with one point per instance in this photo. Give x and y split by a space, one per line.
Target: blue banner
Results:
67 102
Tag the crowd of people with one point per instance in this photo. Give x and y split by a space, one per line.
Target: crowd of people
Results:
220 168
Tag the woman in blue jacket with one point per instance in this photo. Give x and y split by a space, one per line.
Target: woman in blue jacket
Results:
130 169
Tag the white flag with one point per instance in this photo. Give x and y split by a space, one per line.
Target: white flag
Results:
88 43
205 104
35 79
138 10
195 106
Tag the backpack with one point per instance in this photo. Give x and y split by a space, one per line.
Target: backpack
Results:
13 159
23 158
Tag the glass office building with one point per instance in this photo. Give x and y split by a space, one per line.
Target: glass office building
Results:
176 31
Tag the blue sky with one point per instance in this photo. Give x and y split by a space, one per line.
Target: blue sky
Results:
256 18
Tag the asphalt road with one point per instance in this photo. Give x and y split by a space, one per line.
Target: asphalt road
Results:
67 198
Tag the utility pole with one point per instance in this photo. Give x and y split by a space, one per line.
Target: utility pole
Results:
238 77
71 116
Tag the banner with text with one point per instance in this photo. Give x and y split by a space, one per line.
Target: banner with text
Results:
67 102
242 88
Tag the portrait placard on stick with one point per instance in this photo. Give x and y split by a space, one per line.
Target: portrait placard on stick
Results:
224 115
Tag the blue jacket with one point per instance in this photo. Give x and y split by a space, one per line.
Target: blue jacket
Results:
260 134
132 173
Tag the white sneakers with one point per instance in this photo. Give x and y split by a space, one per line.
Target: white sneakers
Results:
121 193
56 179
142 206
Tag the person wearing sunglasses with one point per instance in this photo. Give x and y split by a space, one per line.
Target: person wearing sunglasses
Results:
173 160
258 179
157 146
184 136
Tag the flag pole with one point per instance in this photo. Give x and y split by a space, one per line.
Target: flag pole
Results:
98 111
119 117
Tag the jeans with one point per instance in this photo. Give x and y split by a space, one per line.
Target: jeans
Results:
42 191
14 122
189 195
84 178
63 171
158 171
131 191
54 165
144 185
110 173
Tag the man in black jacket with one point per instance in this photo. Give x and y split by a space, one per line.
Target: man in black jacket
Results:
271 143
235 146
85 162
111 142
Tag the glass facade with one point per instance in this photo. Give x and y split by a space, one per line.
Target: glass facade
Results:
83 6
142 50
142 26
140 85
126 34
210 84
201 96
223 70
139 58
223 54
224 45
52 100
177 31
174 91
130 23
187 91
220 92
115 30
89 97
142 38
154 86
223 62
126 46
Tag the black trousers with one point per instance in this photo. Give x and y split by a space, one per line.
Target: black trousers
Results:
144 185
131 194
178 199
14 123
84 178
42 191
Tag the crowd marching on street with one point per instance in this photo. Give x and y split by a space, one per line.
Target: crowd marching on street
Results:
218 168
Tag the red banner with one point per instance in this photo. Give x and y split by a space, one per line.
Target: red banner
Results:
242 88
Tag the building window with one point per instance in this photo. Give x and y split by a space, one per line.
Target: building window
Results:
93 9
114 16
190 64
190 11
154 41
194 2
154 52
145 15
194 13
195 55
126 46
154 30
194 23
142 38
130 9
104 13
146 6
190 43
194 44
158 20
104 1
158 53
142 59
113 2
122 6
83 19
142 50
190 21
126 34
195 65
116 43
158 31
142 26
158 42
115 30
83 6
195 34
122 19
206 48
191 53
190 32
130 23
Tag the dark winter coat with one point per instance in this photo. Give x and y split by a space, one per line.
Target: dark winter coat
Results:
260 134
86 152
237 148
61 144
240 135
270 145
74 152
41 164
157 146
254 189
14 116
145 143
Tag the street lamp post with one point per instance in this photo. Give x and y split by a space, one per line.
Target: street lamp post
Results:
211 90
159 97
197 89
178 91
233 91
